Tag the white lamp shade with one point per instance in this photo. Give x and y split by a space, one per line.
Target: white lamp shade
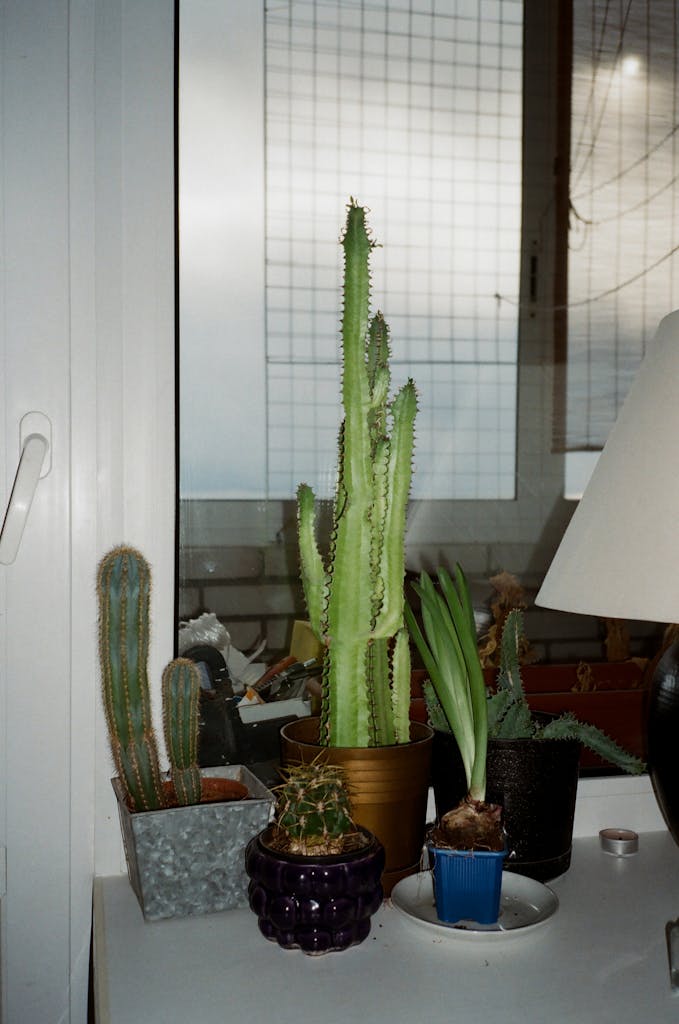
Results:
619 556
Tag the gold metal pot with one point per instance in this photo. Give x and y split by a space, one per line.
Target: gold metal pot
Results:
389 788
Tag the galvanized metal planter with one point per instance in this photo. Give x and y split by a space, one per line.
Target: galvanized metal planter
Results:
191 860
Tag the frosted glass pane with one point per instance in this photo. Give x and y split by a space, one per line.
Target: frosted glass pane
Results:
422 137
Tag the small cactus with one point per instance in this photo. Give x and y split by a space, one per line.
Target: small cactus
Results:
313 809
123 588
510 716
181 704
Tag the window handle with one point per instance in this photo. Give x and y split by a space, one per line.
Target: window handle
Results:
33 464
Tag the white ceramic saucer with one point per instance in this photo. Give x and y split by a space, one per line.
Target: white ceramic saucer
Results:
524 906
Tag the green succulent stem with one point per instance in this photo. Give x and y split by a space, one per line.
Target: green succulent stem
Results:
181 708
511 718
123 589
355 601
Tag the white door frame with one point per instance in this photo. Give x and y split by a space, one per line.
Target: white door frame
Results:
87 336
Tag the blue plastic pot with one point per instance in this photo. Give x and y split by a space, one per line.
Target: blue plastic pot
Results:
467 884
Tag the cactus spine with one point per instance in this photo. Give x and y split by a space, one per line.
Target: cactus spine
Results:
123 587
181 703
355 602
313 809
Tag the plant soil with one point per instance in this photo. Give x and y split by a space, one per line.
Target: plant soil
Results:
472 825
213 790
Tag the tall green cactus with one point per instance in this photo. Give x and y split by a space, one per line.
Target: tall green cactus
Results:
181 706
355 600
123 587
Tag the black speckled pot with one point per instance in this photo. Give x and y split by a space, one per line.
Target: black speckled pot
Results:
663 729
316 904
536 782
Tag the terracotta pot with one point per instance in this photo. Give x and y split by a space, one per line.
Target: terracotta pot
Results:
389 788
212 790
316 904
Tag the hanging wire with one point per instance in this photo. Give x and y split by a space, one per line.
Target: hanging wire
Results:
620 214
630 167
616 59
592 86
534 308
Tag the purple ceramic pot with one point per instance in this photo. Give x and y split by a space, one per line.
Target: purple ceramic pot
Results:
316 904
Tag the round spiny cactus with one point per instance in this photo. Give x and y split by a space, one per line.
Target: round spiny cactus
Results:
313 810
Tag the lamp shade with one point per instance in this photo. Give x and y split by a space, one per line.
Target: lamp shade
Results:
619 556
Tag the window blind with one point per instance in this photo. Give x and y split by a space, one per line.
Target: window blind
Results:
623 263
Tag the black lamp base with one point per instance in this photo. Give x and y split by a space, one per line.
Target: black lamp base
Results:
663 736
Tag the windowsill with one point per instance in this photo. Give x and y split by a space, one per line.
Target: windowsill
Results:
618 801
601 957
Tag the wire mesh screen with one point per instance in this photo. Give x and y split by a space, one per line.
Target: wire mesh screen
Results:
624 230
413 107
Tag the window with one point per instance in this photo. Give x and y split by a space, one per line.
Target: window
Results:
416 110
623 263
242 379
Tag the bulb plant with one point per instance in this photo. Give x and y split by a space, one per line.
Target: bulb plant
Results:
123 590
448 648
459 702
355 596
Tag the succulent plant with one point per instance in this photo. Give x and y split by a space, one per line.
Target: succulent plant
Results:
448 647
181 707
313 809
510 716
123 590
123 587
508 713
355 598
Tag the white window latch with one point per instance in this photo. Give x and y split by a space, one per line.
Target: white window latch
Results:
34 463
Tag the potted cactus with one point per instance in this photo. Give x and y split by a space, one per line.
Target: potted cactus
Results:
184 835
355 595
314 875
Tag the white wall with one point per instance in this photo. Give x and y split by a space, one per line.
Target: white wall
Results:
87 334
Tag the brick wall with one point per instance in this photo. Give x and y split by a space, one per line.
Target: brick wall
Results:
244 568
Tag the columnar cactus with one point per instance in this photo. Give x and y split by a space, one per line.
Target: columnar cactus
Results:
181 707
313 809
355 601
123 586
